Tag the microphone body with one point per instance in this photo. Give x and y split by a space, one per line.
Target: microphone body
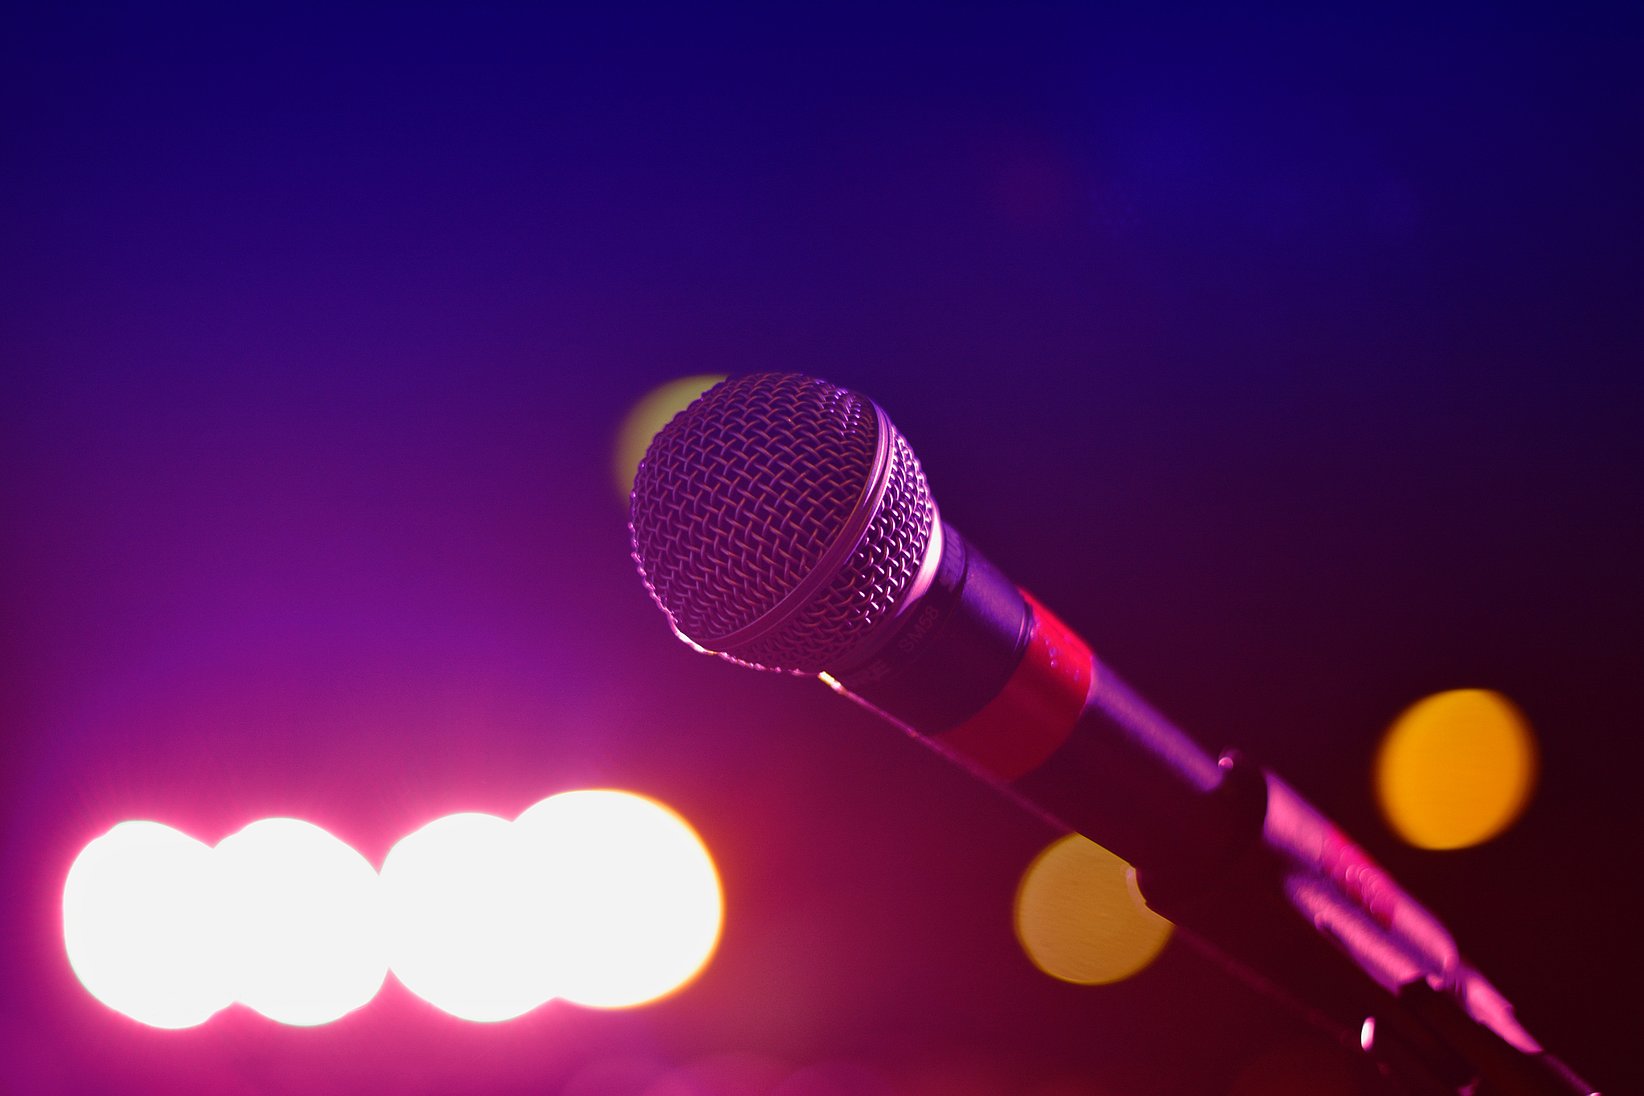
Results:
784 524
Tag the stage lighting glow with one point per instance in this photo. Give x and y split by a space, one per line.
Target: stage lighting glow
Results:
637 906
605 898
1456 769
649 415
142 925
465 915
1079 917
302 919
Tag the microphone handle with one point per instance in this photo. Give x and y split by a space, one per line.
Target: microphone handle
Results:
979 670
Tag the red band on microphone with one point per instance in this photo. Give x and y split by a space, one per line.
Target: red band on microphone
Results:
1036 710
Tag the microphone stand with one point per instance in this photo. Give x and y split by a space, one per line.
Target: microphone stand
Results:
1431 1022
987 676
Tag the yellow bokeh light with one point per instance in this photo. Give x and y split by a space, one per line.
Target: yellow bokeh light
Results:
1079 917
649 415
1456 769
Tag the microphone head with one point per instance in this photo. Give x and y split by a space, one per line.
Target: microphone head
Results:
779 520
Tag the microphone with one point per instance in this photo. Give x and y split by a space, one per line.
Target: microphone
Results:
783 523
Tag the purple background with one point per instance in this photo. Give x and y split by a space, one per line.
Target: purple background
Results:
1296 363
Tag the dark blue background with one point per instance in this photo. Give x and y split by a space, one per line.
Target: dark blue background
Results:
1293 359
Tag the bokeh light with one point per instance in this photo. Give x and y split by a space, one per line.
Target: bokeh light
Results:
1456 769
1079 917
638 906
302 921
142 926
465 915
649 415
604 898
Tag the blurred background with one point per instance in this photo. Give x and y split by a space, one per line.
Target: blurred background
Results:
1292 360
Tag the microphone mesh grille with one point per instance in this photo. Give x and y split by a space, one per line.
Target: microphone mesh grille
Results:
743 493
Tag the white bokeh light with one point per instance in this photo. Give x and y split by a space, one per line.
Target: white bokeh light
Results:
463 918
142 925
636 904
603 898
302 921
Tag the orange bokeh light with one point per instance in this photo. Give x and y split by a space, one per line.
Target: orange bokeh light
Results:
1080 918
1455 769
